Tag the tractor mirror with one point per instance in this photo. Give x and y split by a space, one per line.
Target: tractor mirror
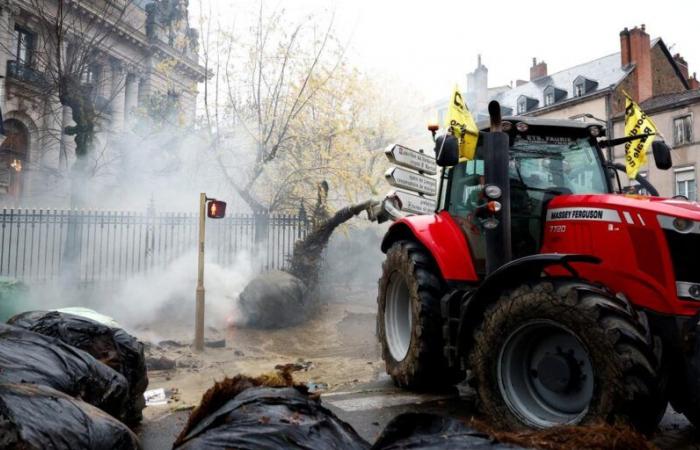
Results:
216 209
662 155
446 150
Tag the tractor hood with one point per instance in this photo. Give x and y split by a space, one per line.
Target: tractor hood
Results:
638 203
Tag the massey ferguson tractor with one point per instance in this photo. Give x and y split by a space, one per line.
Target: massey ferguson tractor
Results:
558 297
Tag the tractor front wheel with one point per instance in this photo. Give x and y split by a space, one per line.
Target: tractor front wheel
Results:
568 353
409 324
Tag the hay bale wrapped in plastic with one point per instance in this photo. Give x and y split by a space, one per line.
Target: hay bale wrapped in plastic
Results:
104 340
38 417
267 412
28 357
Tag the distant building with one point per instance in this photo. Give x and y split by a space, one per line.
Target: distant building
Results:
125 69
593 91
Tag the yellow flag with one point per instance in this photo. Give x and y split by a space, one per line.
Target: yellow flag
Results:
461 124
636 122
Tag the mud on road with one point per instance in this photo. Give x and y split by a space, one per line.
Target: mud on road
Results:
335 352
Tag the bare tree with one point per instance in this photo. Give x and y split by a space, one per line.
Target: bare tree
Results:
69 38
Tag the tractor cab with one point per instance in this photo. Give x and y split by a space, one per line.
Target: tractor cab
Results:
546 158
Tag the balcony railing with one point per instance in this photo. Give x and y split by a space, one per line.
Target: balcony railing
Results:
26 74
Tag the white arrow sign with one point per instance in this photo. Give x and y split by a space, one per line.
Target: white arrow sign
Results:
404 156
402 178
414 203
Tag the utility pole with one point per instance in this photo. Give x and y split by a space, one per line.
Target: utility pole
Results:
199 317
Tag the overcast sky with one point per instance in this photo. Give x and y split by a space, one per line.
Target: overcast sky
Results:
428 46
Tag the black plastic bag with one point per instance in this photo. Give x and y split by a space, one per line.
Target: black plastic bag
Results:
112 346
433 432
28 357
235 415
38 417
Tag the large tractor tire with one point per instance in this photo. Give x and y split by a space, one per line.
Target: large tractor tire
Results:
409 325
565 353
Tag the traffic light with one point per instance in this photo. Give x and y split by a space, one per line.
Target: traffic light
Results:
216 209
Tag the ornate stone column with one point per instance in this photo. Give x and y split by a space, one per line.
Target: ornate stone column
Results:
132 96
118 95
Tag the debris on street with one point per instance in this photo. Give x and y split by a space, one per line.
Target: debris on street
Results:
101 337
430 431
39 417
28 357
269 411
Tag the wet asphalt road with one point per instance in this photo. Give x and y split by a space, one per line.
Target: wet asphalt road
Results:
369 407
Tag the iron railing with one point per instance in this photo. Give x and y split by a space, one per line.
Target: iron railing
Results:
93 246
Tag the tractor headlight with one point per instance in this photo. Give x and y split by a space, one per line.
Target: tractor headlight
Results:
492 191
682 225
594 130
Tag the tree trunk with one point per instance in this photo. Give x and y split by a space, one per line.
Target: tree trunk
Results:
306 258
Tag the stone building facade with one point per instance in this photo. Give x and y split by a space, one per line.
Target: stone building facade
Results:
594 91
127 70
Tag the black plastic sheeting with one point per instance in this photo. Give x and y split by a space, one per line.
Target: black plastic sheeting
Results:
433 432
271 418
38 417
112 346
28 357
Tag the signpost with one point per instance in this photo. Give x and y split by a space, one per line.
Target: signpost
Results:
413 203
405 157
405 179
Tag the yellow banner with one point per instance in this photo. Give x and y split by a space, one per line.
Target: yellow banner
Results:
461 124
636 122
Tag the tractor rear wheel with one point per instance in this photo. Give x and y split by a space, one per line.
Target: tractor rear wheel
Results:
409 324
565 353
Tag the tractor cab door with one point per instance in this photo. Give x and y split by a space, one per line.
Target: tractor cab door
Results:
464 194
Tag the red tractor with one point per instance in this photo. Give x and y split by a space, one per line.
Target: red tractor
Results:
560 299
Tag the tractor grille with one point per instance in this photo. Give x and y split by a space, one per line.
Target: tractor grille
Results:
684 254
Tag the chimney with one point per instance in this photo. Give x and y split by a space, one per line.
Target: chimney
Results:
682 64
625 47
640 56
693 82
538 69
520 82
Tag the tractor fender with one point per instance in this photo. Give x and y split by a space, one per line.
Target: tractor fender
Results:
442 237
506 277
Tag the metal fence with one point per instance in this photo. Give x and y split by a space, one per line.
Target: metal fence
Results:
90 246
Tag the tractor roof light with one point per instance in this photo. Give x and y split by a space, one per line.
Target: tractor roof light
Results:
492 191
594 130
521 127
506 126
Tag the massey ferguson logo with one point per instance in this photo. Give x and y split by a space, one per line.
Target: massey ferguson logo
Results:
607 215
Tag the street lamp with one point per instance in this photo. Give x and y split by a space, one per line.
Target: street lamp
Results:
214 209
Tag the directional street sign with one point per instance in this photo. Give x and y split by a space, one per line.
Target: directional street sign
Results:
414 203
402 178
404 156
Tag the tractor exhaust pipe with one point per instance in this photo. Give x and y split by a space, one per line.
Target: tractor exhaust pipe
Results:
496 165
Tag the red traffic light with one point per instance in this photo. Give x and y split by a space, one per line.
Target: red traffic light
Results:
216 209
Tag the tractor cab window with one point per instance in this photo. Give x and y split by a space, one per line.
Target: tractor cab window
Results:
542 167
465 194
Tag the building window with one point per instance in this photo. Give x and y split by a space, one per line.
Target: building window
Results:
549 99
24 46
683 130
522 106
90 74
579 89
685 183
